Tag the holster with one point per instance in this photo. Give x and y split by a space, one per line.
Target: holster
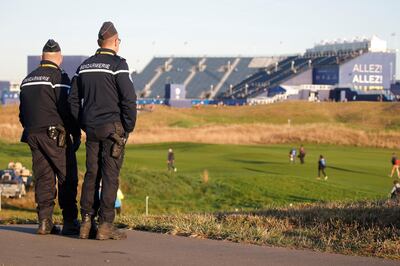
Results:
58 133
119 142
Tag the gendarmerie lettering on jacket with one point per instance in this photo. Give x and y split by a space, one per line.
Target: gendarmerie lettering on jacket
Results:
102 92
43 99
94 66
42 80
36 78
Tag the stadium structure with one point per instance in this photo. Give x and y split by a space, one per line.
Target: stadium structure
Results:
203 77
69 65
9 92
360 69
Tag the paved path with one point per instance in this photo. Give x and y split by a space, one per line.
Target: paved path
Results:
20 246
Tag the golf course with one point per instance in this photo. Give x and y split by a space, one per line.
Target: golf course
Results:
234 180
239 177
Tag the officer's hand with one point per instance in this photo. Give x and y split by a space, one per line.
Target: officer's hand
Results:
76 142
126 136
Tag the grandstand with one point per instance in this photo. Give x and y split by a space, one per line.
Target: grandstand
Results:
9 92
359 67
363 68
69 64
283 71
204 77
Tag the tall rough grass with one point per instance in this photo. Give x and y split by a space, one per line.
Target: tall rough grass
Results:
364 228
360 124
251 134
270 134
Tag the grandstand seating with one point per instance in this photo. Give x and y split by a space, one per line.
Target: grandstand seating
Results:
240 72
287 68
147 74
202 80
210 77
244 78
179 71
228 77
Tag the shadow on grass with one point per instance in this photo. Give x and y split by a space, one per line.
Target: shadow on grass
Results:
351 171
7 206
300 199
16 150
380 215
253 161
261 171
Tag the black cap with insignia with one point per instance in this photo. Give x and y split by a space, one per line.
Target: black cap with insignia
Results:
51 46
107 30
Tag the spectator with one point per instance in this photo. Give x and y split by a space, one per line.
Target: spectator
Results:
395 193
292 155
321 167
118 201
395 165
171 160
302 154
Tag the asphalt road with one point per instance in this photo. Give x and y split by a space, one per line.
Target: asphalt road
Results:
19 245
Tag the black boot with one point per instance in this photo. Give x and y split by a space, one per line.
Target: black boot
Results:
70 227
46 227
108 231
88 227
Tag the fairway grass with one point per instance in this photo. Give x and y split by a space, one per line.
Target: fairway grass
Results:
239 177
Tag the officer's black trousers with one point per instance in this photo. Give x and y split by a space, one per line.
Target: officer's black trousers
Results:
48 162
102 168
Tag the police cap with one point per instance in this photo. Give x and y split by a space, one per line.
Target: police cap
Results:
51 46
107 30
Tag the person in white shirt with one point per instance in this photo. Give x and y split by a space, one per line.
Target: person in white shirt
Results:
395 193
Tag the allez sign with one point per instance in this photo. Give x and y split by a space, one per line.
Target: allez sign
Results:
368 76
369 72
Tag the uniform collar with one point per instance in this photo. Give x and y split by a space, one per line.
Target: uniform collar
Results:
105 51
47 63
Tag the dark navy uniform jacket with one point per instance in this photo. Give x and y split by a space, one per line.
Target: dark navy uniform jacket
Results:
102 92
43 100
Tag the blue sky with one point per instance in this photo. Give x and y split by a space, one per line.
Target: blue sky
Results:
178 27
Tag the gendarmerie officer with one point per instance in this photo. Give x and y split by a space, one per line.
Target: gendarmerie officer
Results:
103 99
47 127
